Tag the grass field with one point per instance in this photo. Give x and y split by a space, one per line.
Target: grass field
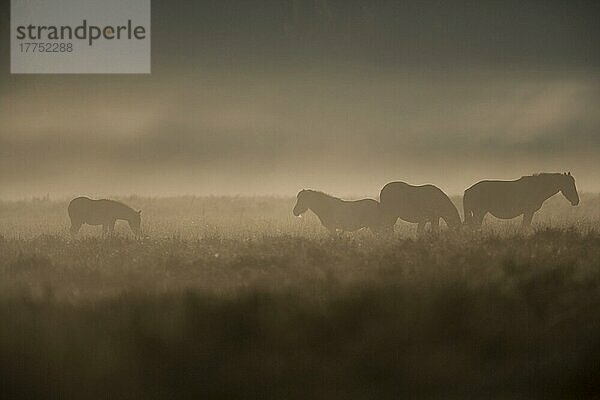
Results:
236 298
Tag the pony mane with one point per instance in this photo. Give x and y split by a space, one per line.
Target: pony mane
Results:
543 174
120 203
323 194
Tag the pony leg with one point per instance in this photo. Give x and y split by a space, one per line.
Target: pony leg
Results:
333 232
435 225
421 228
467 210
336 234
104 229
111 228
75 226
527 217
385 230
478 219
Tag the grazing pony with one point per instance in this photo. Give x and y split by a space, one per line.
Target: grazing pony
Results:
83 210
340 214
418 204
509 199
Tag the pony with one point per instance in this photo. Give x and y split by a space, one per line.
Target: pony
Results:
418 204
102 212
340 214
510 199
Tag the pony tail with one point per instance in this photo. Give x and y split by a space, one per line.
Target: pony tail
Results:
467 209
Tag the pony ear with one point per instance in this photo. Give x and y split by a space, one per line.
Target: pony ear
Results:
139 212
569 173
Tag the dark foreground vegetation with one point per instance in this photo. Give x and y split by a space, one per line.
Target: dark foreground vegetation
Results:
277 312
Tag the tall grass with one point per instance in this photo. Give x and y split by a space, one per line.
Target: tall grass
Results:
234 298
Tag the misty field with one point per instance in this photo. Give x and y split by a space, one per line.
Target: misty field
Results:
233 297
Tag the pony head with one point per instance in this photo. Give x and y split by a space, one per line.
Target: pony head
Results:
568 189
134 223
301 203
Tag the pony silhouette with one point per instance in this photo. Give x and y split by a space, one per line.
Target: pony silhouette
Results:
340 214
84 210
509 199
418 204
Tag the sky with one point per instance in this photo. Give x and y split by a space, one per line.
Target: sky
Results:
270 97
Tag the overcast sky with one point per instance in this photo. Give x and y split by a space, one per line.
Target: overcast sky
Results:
342 96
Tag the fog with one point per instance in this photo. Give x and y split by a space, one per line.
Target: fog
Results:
330 95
